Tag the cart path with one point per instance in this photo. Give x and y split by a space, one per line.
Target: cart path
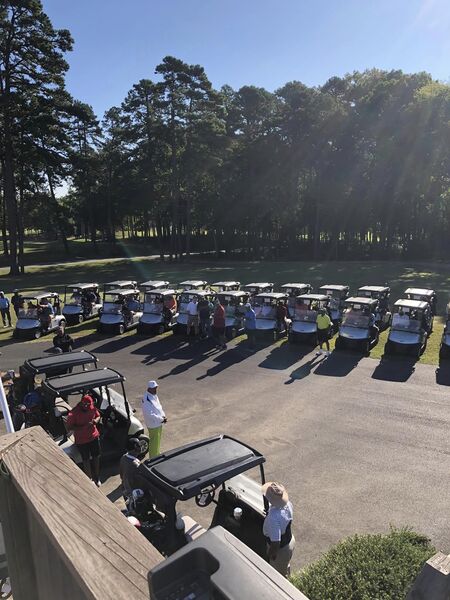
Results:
360 444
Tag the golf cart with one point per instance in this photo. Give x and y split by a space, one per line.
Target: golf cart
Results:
121 311
122 284
303 326
154 285
338 295
265 307
293 290
211 471
383 315
57 364
193 284
444 350
183 300
234 303
411 326
117 424
425 295
225 286
35 319
253 289
159 311
81 301
356 329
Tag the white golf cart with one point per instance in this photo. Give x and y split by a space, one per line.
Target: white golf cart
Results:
159 311
303 326
293 291
383 315
234 302
338 295
184 298
444 350
265 307
253 289
358 330
81 302
39 315
121 311
193 284
225 286
154 285
411 325
121 284
118 423
423 294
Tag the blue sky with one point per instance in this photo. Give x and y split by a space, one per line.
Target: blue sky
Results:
259 42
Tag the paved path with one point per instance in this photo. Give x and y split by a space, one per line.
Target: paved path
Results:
359 444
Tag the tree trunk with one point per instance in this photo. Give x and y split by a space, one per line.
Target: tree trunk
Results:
9 194
58 215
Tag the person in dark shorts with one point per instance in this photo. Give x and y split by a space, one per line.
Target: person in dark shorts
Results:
83 420
219 326
324 325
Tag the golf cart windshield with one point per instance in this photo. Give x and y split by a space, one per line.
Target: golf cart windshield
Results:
404 322
355 318
304 313
113 304
153 303
264 309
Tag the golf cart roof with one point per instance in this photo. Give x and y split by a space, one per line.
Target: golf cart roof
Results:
184 472
121 283
154 284
40 296
226 283
258 285
233 294
272 295
80 382
335 288
43 364
415 304
295 286
82 286
313 297
362 300
419 292
193 282
374 288
162 292
122 292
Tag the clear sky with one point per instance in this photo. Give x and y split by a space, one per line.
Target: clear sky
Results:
260 42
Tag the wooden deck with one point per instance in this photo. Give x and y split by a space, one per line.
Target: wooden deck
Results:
63 537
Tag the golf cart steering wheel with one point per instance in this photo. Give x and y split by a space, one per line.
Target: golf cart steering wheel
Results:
205 497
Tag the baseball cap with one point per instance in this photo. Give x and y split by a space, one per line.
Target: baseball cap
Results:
152 384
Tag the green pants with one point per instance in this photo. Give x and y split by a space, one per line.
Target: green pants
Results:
154 441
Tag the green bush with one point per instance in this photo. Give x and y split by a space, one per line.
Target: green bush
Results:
367 567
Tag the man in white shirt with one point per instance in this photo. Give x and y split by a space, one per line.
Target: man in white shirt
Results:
192 311
154 417
277 527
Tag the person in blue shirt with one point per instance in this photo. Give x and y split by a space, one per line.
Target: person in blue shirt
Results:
250 325
5 310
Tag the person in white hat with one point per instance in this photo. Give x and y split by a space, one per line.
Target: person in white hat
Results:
154 417
277 527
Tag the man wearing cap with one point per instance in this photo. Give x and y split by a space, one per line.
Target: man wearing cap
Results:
277 527
154 417
324 325
83 420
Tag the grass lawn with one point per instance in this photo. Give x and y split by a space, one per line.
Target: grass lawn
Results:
398 275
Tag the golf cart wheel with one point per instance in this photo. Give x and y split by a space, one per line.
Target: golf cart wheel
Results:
367 347
37 334
121 329
99 328
62 323
80 318
145 443
338 345
291 338
176 330
160 329
5 588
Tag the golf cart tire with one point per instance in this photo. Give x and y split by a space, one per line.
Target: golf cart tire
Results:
177 329
121 329
80 319
388 349
99 328
146 439
339 344
37 334
367 346
231 333
160 329
291 338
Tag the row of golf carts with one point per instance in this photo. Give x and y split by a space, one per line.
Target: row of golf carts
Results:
210 470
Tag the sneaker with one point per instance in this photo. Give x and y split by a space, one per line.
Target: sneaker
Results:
98 483
327 353
318 353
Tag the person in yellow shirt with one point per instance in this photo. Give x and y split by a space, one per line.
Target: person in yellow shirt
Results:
324 325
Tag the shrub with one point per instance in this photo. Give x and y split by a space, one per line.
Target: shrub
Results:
367 567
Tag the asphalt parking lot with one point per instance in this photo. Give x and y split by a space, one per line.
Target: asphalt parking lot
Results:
360 444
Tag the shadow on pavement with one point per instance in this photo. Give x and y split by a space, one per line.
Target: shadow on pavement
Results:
394 369
116 343
170 347
226 359
443 373
305 369
284 356
195 353
338 364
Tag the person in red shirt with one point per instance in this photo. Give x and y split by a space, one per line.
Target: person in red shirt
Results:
82 420
219 325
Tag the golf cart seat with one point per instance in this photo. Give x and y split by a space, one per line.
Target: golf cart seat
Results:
192 529
62 407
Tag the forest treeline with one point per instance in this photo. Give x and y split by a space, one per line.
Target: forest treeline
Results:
356 168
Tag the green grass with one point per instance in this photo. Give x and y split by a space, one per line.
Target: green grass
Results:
398 275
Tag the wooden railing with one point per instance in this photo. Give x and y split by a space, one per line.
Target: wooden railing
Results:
64 539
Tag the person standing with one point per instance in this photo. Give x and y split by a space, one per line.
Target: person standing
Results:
204 315
192 312
17 302
219 325
154 417
5 310
250 325
324 325
281 317
277 527
83 420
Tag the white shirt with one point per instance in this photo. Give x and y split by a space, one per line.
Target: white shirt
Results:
276 522
152 410
192 308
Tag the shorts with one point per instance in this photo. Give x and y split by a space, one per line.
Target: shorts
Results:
323 335
89 450
192 320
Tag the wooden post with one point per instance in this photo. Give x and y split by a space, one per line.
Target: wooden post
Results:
63 537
